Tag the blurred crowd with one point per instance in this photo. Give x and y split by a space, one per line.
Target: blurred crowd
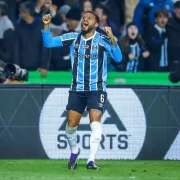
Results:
148 32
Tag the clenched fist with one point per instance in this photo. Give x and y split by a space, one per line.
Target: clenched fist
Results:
46 19
108 31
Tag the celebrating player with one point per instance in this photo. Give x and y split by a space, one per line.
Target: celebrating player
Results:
89 71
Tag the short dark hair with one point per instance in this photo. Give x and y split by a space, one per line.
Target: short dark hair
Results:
159 12
96 16
105 8
177 4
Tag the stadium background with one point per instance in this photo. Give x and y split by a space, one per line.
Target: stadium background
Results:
140 122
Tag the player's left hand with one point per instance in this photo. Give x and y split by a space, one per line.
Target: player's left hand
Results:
108 31
43 72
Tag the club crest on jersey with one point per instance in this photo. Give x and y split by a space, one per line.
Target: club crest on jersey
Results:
76 46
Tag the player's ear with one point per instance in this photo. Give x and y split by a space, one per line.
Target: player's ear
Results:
96 25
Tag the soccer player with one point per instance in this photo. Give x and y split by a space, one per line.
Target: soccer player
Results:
89 71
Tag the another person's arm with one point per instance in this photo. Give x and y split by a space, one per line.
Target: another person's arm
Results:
49 8
7 46
138 13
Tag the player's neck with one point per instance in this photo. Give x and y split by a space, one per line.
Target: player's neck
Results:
88 35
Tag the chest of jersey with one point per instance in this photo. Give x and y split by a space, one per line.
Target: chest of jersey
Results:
87 50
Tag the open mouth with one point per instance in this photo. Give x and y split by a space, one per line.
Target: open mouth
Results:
85 25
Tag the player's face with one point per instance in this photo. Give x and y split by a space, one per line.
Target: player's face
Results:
161 20
88 22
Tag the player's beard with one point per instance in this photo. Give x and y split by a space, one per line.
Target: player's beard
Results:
88 30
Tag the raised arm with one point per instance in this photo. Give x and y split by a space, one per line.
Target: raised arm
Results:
111 46
49 41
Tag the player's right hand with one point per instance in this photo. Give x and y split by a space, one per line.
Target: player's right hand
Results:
46 19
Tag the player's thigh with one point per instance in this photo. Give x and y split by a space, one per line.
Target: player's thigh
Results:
76 106
95 104
95 115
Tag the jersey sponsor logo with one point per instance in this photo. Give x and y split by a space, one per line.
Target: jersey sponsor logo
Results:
123 124
85 56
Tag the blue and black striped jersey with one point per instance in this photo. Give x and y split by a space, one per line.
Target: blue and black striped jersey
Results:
88 58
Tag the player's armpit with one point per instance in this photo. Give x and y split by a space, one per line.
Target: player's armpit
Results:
68 38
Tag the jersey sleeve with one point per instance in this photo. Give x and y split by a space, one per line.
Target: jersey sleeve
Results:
68 38
59 41
114 51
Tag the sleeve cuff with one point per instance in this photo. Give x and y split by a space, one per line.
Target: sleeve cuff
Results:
45 31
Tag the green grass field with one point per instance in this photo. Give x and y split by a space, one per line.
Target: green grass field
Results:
111 170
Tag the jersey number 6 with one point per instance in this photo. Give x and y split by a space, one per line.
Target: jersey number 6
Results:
102 98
